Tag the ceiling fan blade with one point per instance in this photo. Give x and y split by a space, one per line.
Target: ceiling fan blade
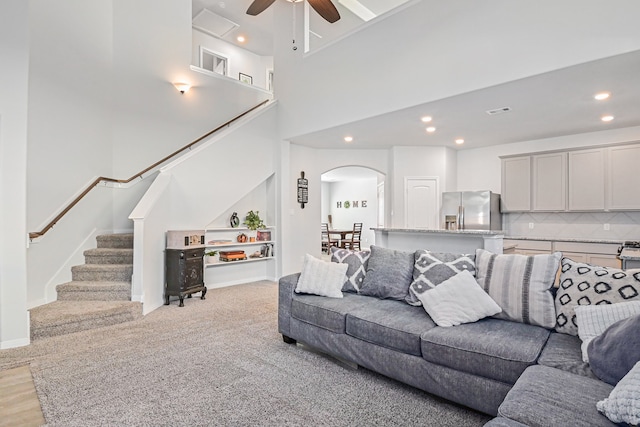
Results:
326 9
258 6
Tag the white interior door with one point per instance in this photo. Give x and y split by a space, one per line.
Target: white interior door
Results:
421 202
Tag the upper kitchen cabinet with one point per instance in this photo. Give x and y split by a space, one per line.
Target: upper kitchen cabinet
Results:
624 181
579 180
549 182
587 180
516 184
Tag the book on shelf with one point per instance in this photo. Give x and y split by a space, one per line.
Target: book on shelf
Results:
232 258
225 253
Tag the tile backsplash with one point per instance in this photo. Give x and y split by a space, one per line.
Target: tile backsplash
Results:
575 225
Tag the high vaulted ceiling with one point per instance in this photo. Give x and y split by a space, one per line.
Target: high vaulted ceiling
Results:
548 105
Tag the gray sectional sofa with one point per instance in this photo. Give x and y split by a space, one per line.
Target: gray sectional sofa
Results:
521 373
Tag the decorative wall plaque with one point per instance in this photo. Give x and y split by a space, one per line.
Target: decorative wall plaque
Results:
303 190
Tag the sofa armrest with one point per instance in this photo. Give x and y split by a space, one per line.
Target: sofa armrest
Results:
286 286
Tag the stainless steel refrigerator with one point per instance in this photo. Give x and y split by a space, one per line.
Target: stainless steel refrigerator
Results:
471 210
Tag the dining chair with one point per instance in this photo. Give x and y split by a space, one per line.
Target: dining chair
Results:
353 243
327 242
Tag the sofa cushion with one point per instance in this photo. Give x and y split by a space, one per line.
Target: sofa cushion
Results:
458 300
323 278
389 274
563 352
390 324
357 262
326 313
432 268
623 404
521 285
593 320
585 284
491 348
546 396
616 351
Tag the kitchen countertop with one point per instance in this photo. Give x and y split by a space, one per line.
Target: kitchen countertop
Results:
452 232
566 239
630 254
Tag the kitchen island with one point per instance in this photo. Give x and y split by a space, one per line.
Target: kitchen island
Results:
458 241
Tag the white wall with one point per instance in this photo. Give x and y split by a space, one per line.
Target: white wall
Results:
190 202
239 60
70 124
416 162
14 51
301 226
437 49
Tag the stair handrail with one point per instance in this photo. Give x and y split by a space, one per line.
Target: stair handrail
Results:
49 226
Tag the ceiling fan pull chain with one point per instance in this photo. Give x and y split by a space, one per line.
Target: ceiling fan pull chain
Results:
293 8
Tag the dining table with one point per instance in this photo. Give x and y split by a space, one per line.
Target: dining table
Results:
342 233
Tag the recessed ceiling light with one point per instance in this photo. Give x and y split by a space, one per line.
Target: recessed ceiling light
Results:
241 39
602 95
348 139
431 129
426 119
459 141
606 118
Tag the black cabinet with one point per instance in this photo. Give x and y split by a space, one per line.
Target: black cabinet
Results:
184 272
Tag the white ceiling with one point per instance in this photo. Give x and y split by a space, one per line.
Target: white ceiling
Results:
548 105
553 104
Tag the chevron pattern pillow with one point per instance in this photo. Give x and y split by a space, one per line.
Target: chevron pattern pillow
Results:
357 262
585 284
432 268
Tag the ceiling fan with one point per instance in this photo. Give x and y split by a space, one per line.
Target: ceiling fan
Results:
325 8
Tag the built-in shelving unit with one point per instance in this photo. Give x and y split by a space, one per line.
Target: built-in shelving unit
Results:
233 272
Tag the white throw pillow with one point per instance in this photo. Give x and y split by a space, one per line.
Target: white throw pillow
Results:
458 300
593 320
322 278
623 404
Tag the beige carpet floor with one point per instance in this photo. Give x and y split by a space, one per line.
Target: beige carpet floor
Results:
215 362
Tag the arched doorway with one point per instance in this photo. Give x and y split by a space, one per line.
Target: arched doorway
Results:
351 194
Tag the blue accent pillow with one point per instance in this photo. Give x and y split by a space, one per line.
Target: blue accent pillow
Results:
389 274
613 354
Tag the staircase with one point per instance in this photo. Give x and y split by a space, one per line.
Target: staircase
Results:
98 295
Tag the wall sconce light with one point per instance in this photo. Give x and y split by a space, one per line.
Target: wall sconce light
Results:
182 87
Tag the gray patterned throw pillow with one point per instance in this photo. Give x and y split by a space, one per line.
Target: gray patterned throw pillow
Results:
432 268
357 261
585 284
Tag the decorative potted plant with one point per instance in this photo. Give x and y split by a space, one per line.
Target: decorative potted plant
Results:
209 256
253 222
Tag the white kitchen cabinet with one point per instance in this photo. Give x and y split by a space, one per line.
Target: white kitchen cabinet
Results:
516 184
602 254
549 186
529 247
586 180
624 179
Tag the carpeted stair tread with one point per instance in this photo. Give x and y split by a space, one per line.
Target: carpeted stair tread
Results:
102 272
109 256
115 240
94 291
64 317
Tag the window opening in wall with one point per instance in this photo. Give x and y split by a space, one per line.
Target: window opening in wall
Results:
213 61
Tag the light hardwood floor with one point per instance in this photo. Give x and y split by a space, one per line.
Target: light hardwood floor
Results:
19 405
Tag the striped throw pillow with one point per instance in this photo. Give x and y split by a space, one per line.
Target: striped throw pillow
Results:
521 285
